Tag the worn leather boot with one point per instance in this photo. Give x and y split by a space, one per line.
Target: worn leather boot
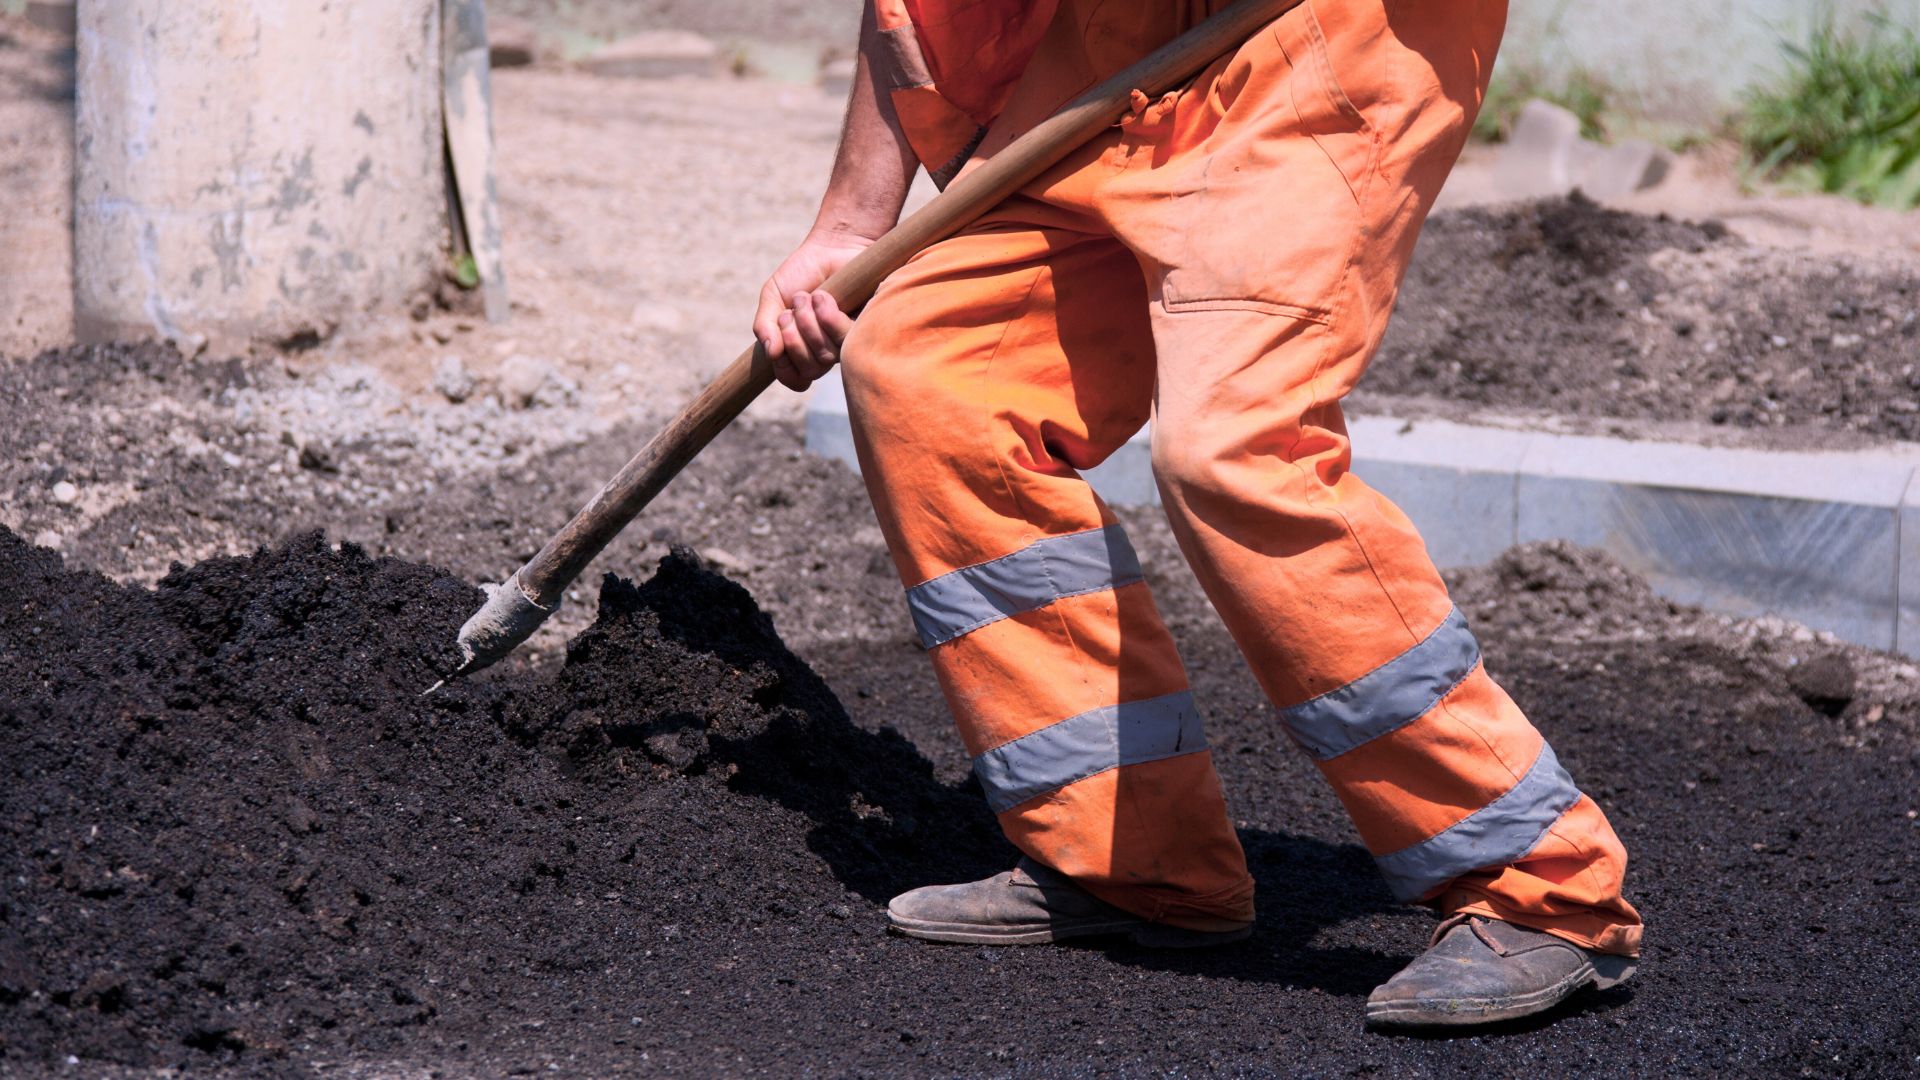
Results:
1478 970
1033 905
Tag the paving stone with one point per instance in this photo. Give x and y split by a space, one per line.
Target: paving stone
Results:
1907 631
1624 168
1547 156
1828 539
1543 153
1829 565
829 431
1811 537
1126 477
1455 481
655 54
1876 477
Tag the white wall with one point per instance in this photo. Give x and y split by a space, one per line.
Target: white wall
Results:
1683 60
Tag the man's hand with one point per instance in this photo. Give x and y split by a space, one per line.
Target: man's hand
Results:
800 328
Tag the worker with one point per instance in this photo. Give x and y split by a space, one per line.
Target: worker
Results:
1222 261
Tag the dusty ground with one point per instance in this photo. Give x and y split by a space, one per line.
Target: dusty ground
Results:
630 279
234 839
636 285
237 837
36 188
808 24
372 845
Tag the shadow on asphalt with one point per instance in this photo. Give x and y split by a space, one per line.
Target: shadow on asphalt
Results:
1302 886
884 823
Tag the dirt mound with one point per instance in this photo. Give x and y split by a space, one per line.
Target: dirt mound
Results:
1562 588
1566 306
233 830
234 838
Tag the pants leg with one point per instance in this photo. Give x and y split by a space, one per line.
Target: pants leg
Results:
1274 206
981 379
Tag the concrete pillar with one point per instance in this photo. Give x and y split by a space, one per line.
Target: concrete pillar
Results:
249 169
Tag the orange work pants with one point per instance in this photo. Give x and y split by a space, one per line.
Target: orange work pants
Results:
1224 260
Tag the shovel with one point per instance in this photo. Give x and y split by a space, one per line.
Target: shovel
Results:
516 607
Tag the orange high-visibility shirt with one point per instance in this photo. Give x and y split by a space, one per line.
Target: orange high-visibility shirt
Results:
950 65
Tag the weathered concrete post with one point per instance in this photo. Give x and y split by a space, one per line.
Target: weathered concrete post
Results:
252 169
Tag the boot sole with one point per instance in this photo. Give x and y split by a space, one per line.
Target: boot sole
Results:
1602 972
1150 935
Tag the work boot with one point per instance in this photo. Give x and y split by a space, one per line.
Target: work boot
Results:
1478 970
1032 904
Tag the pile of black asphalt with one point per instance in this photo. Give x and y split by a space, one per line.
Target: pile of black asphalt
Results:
234 838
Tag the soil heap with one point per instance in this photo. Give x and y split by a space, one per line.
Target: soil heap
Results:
233 837
1568 307
232 829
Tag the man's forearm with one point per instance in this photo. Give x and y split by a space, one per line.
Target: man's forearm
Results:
875 164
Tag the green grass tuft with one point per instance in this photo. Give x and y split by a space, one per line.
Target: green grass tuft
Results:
1844 118
465 272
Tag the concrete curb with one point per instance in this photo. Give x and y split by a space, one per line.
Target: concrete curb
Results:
1826 538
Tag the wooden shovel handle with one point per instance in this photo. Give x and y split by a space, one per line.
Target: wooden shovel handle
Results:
547 575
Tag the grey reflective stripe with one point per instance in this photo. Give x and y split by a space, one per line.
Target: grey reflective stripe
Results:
1092 742
1494 835
1033 577
1390 696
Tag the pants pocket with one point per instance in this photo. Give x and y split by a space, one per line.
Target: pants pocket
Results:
1270 211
